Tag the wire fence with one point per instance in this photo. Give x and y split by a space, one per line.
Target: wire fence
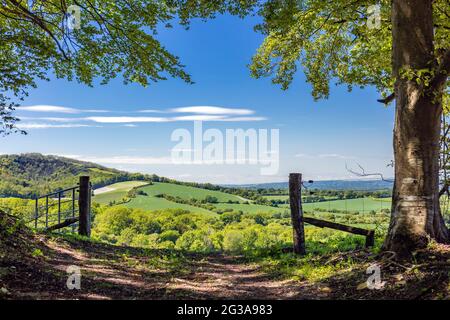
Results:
55 208
339 201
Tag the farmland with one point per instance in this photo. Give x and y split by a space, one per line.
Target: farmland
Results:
187 192
149 198
249 208
154 203
360 204
115 192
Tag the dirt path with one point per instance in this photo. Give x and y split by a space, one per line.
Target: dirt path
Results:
227 277
115 272
110 272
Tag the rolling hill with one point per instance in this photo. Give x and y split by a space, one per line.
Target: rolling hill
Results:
149 198
31 174
28 175
369 185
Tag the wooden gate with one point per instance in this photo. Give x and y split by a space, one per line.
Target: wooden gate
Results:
65 208
298 220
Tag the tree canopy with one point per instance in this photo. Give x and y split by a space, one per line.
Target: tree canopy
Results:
329 40
111 38
333 41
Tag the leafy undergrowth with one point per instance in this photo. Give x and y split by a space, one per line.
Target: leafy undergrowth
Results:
33 266
345 275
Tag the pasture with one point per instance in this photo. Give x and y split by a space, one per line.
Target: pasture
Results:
149 200
249 208
359 204
188 193
154 203
115 192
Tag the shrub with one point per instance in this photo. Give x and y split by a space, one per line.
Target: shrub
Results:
113 220
211 199
196 240
169 235
232 241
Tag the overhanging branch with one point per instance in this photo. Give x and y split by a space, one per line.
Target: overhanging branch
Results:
388 99
441 76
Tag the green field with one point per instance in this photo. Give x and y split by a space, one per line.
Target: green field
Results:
286 197
118 191
186 192
151 202
280 197
360 204
115 192
154 203
250 208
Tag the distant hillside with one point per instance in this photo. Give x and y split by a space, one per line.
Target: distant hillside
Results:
328 185
31 174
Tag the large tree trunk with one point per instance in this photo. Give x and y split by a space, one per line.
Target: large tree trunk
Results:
416 216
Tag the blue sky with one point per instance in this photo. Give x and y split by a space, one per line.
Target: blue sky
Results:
316 138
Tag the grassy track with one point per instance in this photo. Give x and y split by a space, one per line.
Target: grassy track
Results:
154 203
249 208
115 192
360 204
186 192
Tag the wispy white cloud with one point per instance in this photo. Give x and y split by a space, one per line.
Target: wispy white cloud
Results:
126 119
53 119
150 111
57 109
243 119
50 125
213 110
335 155
122 160
46 108
304 155
197 113
324 156
200 117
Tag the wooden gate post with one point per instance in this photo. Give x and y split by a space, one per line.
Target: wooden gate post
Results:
295 200
84 206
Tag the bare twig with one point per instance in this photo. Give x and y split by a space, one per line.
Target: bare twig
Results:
363 173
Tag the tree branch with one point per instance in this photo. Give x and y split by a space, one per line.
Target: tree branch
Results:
41 23
444 189
442 72
388 99
364 174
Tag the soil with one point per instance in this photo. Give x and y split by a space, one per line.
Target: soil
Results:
34 266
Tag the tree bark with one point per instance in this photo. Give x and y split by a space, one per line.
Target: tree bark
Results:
416 216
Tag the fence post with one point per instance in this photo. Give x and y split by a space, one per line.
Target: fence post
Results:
36 212
46 211
84 206
59 207
295 200
370 239
73 207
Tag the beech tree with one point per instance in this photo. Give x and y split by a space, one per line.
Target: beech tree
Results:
407 58
400 47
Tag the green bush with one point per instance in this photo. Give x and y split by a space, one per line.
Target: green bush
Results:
169 235
232 241
200 240
254 235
